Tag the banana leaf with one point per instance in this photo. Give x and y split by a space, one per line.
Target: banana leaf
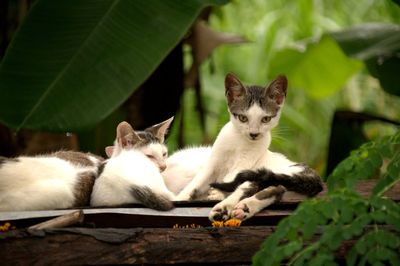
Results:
72 62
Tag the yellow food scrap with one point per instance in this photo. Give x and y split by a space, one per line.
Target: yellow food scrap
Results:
192 226
232 223
5 227
228 223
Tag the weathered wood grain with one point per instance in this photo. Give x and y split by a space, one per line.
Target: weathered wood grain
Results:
83 246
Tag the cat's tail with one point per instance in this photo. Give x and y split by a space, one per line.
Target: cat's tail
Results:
306 182
151 199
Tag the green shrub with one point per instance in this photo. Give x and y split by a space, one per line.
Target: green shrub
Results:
318 227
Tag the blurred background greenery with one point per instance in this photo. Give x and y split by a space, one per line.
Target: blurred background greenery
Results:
324 80
342 59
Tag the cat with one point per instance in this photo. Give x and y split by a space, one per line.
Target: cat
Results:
59 180
67 179
132 173
242 144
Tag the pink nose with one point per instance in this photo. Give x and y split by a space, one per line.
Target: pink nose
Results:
162 167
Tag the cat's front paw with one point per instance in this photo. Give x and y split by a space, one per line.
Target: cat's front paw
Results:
241 211
215 194
219 213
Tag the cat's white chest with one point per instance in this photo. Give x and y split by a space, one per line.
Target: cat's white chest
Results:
232 153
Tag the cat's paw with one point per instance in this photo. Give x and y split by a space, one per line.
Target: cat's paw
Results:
182 197
220 212
215 194
241 211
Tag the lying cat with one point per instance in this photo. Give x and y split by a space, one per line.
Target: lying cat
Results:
132 173
242 144
67 179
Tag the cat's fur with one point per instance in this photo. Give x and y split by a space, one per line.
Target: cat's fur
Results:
183 165
68 179
242 144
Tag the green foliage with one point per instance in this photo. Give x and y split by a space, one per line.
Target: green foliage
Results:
72 63
317 228
320 63
378 44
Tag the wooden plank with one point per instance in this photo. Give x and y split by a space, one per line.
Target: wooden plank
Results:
185 213
138 217
135 246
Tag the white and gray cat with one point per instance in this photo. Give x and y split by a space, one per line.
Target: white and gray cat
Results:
240 157
68 179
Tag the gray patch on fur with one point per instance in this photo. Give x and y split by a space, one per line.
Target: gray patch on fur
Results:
194 195
150 199
101 167
77 158
250 191
83 188
269 192
254 95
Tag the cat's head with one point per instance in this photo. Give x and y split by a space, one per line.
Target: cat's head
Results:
149 141
255 110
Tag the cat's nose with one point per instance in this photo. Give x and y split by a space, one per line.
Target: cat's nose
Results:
254 135
162 167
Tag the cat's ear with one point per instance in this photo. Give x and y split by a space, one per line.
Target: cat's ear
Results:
161 129
277 89
234 89
109 151
126 136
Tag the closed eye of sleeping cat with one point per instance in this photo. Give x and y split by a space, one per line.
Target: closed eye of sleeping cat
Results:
67 179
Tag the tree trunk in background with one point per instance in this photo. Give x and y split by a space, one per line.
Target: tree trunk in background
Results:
158 98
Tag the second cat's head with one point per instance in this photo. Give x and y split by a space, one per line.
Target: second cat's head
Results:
149 141
255 110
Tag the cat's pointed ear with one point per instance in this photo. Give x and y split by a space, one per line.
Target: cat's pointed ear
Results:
126 136
109 151
234 89
161 129
277 89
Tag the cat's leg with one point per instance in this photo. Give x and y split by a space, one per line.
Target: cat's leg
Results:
248 207
222 210
199 186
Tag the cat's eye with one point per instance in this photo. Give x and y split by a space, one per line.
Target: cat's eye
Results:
164 154
242 118
266 119
150 156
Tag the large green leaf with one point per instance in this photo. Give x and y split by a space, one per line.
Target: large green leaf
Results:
321 69
73 62
378 44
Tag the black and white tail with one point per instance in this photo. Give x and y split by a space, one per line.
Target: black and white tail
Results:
306 182
150 199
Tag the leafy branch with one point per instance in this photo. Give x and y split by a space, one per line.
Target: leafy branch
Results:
318 227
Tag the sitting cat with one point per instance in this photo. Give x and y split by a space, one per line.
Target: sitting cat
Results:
68 179
242 144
